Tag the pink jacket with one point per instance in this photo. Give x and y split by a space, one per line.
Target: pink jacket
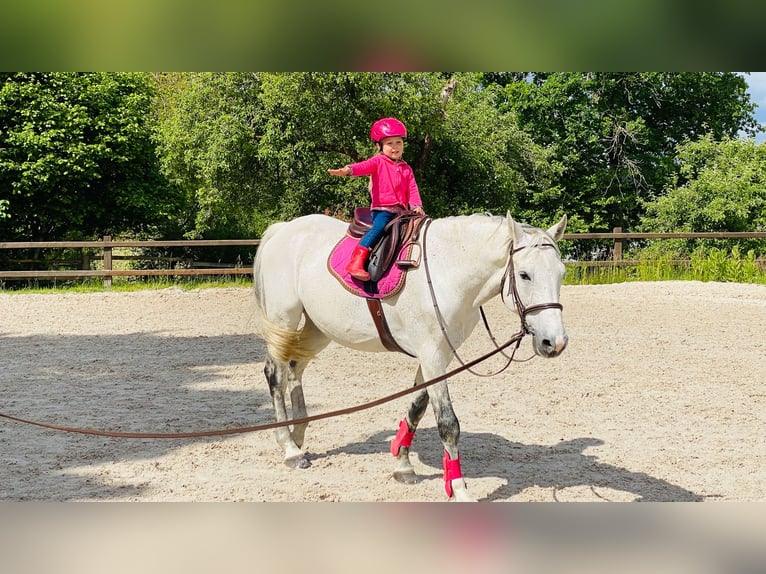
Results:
393 183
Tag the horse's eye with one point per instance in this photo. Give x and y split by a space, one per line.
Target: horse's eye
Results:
525 276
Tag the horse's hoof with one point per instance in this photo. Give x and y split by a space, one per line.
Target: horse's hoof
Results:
406 476
298 462
462 496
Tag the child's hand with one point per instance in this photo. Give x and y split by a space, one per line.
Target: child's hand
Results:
418 210
342 171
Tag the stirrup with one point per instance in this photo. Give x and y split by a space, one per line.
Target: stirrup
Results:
407 264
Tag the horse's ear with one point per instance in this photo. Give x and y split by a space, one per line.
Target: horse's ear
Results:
558 230
517 230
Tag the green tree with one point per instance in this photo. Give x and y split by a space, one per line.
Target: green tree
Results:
615 134
251 148
207 139
720 186
77 158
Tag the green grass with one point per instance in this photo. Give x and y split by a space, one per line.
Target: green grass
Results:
96 285
710 265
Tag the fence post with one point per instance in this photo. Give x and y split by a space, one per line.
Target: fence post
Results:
107 261
617 251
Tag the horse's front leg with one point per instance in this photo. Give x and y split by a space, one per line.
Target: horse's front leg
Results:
400 446
449 432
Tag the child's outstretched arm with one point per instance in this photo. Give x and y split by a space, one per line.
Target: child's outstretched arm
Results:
346 170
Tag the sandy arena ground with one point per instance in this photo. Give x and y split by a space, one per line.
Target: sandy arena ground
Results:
661 396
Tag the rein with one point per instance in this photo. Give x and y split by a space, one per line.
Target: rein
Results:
516 338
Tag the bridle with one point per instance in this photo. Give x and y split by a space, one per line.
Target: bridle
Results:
523 310
513 290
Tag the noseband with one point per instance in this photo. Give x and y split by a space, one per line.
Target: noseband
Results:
513 291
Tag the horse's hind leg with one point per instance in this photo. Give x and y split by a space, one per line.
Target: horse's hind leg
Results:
297 402
400 446
316 341
286 377
278 375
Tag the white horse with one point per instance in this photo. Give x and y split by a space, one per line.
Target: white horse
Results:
300 307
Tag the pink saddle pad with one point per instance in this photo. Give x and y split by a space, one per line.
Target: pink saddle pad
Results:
388 285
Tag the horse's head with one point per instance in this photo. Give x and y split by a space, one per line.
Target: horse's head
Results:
534 284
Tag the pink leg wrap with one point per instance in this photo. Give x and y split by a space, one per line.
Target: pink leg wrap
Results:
451 471
402 438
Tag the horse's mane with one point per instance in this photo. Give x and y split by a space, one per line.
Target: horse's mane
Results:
537 236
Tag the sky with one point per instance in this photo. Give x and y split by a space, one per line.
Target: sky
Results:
757 88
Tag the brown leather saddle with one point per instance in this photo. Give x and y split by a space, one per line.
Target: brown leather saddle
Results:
402 231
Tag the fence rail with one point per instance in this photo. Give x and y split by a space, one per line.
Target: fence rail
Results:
107 246
620 238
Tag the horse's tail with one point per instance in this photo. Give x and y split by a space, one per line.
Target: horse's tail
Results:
260 296
283 344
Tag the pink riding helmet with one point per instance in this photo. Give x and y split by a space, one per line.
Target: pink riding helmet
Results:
386 128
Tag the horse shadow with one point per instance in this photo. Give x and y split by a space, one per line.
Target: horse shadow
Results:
521 466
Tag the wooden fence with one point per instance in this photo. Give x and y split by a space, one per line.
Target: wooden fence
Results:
619 239
107 245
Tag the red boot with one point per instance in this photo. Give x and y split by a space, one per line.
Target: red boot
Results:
355 267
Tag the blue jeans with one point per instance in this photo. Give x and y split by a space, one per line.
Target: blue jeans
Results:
379 221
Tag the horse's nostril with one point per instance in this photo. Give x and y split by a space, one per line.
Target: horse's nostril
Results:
547 344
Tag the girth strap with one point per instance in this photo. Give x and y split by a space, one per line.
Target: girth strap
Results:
379 318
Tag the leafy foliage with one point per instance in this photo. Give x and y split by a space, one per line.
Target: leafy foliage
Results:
720 186
615 134
76 156
252 148
225 154
208 148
